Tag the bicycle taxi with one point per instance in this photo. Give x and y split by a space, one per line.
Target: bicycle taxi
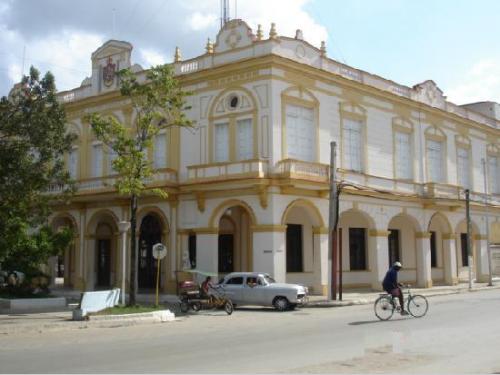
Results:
192 297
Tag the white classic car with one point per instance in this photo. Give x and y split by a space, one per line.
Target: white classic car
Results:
254 288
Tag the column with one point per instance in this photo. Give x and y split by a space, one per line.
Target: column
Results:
424 276
320 251
269 251
207 250
379 260
90 271
81 280
482 271
450 259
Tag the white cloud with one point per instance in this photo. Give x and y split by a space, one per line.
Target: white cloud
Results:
199 21
480 83
151 57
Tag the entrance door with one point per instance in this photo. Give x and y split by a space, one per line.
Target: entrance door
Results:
150 235
103 263
463 247
393 246
226 253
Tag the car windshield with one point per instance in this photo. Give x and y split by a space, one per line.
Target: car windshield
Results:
269 279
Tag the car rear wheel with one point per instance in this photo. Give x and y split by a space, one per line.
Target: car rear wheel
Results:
280 303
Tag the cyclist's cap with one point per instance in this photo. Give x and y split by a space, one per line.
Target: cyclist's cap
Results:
397 264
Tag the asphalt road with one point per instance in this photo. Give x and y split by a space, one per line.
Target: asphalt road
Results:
460 333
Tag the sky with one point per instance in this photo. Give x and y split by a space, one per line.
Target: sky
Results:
456 43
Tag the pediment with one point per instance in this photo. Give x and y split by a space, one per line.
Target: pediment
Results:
429 93
235 34
110 48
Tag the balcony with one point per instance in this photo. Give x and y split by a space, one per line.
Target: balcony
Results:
290 168
227 171
437 190
161 177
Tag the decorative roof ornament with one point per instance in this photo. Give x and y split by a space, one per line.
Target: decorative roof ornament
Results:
299 35
177 55
322 49
209 48
260 34
272 33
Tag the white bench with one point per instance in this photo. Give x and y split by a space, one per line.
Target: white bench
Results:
96 301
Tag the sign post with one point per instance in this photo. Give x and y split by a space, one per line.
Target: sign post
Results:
159 252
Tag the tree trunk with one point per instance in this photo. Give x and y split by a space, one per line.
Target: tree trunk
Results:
133 251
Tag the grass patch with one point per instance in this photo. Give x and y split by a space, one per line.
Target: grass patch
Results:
124 310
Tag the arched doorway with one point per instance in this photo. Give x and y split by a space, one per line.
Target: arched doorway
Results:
150 234
235 241
64 264
103 255
461 250
439 229
402 245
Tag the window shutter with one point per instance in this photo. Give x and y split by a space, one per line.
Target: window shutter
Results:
245 139
97 161
493 175
463 167
160 151
73 163
435 161
352 146
300 133
221 142
403 156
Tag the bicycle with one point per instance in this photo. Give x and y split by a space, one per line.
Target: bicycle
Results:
385 305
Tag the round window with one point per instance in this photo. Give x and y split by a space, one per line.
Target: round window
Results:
233 102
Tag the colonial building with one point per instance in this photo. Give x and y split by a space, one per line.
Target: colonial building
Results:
248 187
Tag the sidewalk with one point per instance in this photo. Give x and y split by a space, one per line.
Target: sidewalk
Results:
365 297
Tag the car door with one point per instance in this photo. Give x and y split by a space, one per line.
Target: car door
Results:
254 291
233 288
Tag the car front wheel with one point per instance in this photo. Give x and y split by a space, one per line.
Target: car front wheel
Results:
280 303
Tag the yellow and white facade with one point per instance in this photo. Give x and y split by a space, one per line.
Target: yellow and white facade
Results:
248 186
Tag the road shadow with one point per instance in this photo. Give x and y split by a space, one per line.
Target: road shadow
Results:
374 321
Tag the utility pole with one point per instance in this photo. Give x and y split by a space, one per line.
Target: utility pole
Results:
332 227
469 233
486 210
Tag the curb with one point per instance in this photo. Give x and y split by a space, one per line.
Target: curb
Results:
96 321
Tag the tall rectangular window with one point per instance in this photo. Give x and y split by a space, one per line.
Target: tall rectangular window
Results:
493 175
294 248
300 133
463 167
352 145
463 249
403 156
160 151
73 163
393 246
433 249
435 161
97 160
221 142
357 249
245 139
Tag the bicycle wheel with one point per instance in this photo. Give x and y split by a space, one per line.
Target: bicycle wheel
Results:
384 308
418 305
184 306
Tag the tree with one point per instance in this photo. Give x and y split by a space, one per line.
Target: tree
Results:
157 103
33 142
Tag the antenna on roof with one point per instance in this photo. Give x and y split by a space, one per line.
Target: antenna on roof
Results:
224 12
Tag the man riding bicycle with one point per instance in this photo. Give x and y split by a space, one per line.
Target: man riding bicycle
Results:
391 285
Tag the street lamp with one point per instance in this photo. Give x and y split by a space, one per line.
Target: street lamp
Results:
123 226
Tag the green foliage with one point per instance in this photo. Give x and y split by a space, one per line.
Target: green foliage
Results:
33 142
157 104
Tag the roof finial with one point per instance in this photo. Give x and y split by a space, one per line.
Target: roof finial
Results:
177 55
299 35
323 48
273 34
260 34
209 48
